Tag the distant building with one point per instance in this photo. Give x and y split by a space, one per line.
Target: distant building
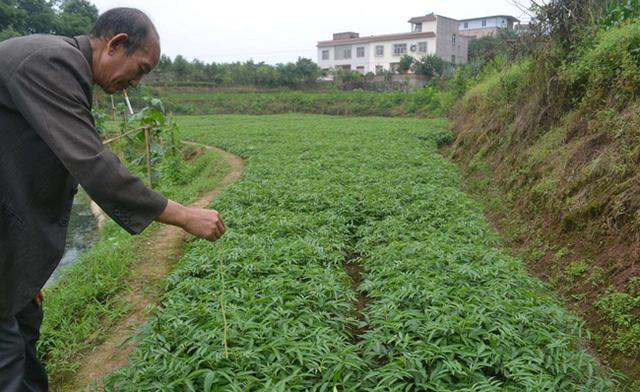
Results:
486 25
430 34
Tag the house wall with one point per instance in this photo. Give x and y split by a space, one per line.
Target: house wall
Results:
370 61
354 61
475 29
497 22
441 45
445 47
388 58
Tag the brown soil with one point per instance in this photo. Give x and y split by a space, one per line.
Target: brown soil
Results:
145 288
354 270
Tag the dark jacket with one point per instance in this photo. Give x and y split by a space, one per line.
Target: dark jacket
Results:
48 144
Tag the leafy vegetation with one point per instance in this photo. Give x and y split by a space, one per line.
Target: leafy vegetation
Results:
440 306
405 63
430 66
428 102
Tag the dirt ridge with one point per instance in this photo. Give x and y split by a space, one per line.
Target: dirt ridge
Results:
145 288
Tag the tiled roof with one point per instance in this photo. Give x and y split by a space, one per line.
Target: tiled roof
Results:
420 19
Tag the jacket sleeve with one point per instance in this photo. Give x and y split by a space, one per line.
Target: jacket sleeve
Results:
52 90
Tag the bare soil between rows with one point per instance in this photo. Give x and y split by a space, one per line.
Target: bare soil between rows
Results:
145 288
354 269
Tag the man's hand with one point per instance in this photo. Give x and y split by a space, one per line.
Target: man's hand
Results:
202 223
205 224
38 298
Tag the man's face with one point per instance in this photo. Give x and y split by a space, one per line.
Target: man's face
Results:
117 70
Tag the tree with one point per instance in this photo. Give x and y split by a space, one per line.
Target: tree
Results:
11 17
429 66
405 63
40 17
307 71
23 17
76 17
486 49
7 33
181 68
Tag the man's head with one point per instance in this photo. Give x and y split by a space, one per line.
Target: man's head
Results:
125 46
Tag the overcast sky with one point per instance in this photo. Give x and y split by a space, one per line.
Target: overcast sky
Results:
279 31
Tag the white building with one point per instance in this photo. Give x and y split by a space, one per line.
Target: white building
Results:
486 25
430 34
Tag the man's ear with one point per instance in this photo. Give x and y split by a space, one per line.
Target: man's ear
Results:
117 42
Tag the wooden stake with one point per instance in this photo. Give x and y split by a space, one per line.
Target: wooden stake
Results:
148 145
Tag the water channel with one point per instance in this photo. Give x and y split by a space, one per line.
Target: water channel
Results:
82 234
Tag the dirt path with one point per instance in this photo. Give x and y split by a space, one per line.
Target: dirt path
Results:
145 288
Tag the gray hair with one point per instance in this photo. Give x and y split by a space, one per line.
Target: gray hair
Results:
135 23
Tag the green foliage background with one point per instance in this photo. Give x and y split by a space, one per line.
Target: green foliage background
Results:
66 17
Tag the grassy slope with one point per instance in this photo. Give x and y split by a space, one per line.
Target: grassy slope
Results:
82 306
557 146
447 309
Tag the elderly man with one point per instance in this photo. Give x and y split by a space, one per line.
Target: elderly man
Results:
48 144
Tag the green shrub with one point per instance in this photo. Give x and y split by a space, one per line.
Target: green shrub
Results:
610 70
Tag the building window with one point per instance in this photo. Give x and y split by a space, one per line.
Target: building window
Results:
393 67
360 51
484 23
343 52
379 69
325 55
417 27
422 47
360 69
399 49
453 59
379 50
453 39
466 25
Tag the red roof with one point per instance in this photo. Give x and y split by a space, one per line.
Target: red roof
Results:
420 19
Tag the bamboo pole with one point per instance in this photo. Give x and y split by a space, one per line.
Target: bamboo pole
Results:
148 145
113 110
124 121
113 139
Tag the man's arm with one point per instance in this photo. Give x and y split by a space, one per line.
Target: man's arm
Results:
200 222
50 90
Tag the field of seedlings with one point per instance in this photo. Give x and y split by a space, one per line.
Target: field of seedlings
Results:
427 102
352 262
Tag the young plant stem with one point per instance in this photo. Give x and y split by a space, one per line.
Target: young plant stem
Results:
224 316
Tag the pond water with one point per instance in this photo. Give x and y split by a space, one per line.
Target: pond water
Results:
82 234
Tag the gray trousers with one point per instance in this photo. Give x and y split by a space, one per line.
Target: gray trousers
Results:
20 369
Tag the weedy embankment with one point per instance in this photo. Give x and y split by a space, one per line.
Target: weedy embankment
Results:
552 144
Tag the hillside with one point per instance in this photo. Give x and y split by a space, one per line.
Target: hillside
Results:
551 143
